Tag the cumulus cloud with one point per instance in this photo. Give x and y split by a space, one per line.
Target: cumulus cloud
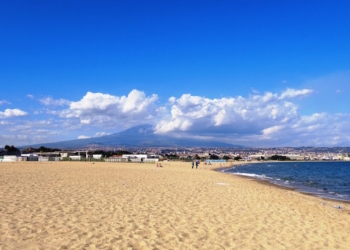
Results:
8 113
30 96
235 115
259 119
172 100
49 101
110 110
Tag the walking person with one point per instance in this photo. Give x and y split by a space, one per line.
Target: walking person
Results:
192 164
197 162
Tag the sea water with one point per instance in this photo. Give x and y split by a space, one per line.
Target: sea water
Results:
324 179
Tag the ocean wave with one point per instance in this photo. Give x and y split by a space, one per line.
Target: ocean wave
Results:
329 180
253 175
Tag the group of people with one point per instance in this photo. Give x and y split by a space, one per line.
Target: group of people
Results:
197 163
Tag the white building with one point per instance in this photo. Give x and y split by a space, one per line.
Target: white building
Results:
135 157
151 160
75 157
29 155
98 157
256 157
43 158
9 158
294 157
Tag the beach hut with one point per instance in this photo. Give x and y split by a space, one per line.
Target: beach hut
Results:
9 158
97 157
75 157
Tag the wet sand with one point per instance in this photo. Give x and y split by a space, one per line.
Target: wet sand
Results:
78 205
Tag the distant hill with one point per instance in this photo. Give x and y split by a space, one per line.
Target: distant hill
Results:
139 136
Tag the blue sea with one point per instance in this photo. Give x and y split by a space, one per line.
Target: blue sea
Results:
324 179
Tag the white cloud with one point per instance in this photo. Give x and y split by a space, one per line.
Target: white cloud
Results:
30 96
28 132
83 137
172 99
258 120
272 130
319 129
3 102
99 134
31 126
8 113
235 115
265 119
292 93
109 110
49 101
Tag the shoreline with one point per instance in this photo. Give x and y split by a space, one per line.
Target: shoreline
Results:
268 183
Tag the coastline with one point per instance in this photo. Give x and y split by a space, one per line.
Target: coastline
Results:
268 183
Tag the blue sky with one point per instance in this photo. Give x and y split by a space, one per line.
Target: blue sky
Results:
255 73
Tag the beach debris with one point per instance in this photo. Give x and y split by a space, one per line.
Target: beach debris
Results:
338 207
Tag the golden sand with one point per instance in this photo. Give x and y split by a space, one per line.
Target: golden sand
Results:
77 205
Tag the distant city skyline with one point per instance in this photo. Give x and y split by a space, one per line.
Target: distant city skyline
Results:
244 72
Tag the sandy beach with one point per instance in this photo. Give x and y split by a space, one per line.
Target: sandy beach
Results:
77 205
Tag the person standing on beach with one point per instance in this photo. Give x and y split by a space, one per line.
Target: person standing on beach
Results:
192 164
197 162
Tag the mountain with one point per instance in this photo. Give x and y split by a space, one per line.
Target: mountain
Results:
139 136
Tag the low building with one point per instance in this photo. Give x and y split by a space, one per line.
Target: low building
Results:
49 154
43 158
257 157
135 158
31 156
116 156
151 160
116 159
9 158
97 157
75 157
66 154
155 156
294 157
